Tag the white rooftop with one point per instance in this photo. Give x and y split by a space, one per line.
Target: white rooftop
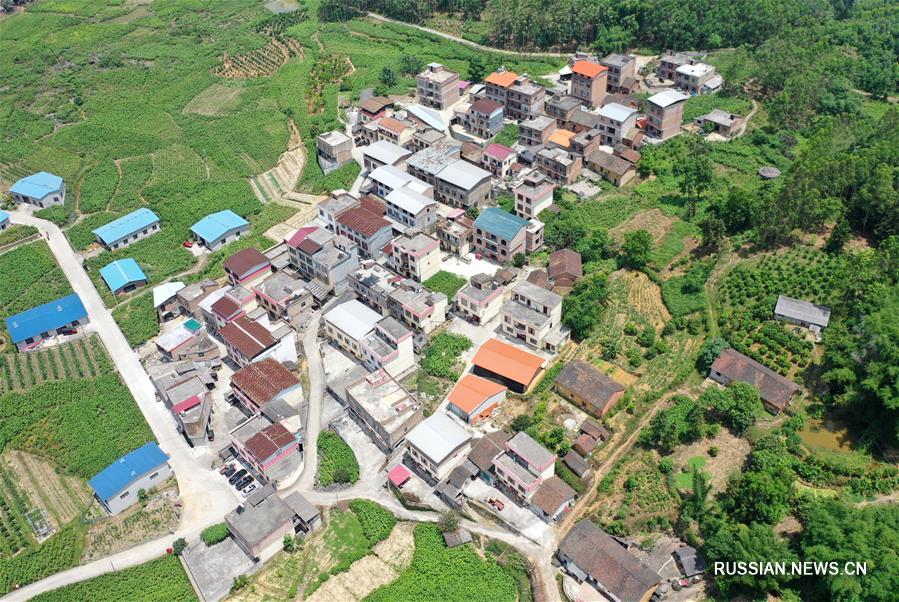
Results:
695 70
616 112
164 292
211 298
353 318
667 97
409 200
393 177
385 152
437 436
463 174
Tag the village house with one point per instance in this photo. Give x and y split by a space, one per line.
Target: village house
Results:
534 315
264 445
562 108
382 153
323 258
373 108
583 121
127 229
521 97
437 86
475 398
507 364
536 131
533 195
427 163
396 131
4 220
260 524
264 382
590 554
577 464
187 342
588 388
417 307
484 451
561 138
455 232
552 499
334 150
622 72
775 390
371 283
370 231
480 300
190 297
565 268
559 165
697 78
384 409
41 190
472 152
165 300
424 138
283 297
614 169
585 142
523 466
588 82
116 487
416 256
223 306
804 313
437 445
499 235
246 265
498 159
411 209
463 185
721 122
615 121
218 229
485 118
424 117
248 341
388 178
123 276
670 63
665 114
378 342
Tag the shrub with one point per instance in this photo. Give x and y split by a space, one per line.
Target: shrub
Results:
376 522
442 353
215 534
336 461
446 283
179 546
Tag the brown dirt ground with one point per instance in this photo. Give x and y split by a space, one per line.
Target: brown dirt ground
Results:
653 221
644 296
732 452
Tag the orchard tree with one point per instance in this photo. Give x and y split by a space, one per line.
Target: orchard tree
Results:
694 174
636 249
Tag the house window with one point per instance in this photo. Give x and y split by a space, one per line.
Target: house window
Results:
123 496
154 475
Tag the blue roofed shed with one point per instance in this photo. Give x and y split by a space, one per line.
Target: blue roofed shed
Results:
4 220
117 486
123 276
128 229
43 321
42 189
220 228
500 223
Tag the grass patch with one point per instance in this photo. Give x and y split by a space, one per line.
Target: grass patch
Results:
683 480
700 105
15 233
446 283
336 461
376 522
160 580
314 181
442 354
508 135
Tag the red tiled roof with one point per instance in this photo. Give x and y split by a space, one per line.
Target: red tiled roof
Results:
394 125
309 247
264 444
398 475
245 260
190 402
565 262
472 391
499 151
262 381
552 493
300 235
373 204
502 78
508 361
225 307
362 221
588 69
248 337
485 106
773 388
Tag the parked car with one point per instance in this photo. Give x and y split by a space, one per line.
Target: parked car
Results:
224 469
187 244
246 491
237 476
243 482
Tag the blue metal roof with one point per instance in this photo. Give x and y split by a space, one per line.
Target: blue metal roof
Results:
127 469
38 185
500 223
121 273
214 226
3 216
126 225
45 318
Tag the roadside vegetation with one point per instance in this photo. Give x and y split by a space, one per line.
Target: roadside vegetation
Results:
337 464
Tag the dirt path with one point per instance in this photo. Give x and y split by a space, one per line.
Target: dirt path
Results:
459 40
749 116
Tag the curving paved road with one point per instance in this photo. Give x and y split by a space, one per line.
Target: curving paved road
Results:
313 408
205 495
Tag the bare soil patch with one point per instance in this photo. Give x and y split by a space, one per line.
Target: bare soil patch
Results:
732 452
645 296
653 221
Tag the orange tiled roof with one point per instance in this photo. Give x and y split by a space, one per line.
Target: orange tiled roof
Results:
588 69
502 78
562 137
508 361
394 125
471 391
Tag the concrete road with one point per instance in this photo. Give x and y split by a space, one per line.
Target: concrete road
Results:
314 407
205 494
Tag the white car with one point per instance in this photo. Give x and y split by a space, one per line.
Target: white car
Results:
249 489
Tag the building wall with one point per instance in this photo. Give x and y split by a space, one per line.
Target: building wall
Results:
439 471
54 198
229 236
131 238
51 333
591 91
128 496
